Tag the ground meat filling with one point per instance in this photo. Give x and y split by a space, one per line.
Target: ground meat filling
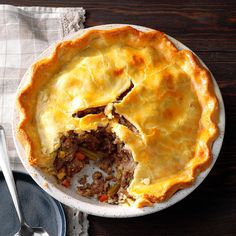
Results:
115 164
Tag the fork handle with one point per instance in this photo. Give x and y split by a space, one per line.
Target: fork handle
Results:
6 169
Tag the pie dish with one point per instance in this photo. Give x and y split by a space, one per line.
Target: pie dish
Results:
154 104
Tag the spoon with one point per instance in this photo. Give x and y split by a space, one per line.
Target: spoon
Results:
25 229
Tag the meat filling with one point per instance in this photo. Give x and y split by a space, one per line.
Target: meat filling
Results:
125 92
122 120
115 164
93 110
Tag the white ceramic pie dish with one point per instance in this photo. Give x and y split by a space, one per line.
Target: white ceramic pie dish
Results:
90 206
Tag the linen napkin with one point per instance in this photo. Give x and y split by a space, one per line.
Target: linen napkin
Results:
24 33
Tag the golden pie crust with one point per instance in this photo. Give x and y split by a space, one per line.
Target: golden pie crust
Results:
172 104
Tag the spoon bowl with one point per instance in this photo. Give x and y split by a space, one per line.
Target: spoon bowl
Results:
26 230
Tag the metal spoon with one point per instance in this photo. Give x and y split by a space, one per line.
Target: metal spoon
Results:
25 229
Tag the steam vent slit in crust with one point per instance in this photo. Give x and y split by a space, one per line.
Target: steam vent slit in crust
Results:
126 102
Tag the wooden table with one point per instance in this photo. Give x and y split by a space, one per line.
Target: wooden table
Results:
209 29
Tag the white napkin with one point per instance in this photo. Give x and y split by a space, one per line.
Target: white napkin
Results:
24 33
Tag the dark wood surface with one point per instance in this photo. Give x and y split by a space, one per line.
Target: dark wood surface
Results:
209 29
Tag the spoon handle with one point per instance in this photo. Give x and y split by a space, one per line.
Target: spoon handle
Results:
6 169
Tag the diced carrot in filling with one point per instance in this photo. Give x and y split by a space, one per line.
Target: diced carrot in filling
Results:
80 156
66 183
103 198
